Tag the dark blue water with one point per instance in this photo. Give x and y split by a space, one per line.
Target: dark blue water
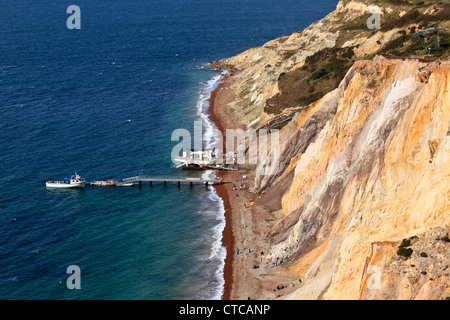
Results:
103 101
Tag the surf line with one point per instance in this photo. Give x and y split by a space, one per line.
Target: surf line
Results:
203 106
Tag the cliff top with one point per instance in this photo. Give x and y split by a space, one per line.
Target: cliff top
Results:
286 74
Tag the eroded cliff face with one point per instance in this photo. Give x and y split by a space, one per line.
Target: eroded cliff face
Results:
362 186
365 167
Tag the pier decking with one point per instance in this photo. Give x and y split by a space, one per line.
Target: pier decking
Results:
179 181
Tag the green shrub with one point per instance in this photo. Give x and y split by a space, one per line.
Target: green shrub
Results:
288 53
408 18
372 84
405 243
404 252
403 249
423 254
348 53
318 74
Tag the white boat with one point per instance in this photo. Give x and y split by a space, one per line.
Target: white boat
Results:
75 181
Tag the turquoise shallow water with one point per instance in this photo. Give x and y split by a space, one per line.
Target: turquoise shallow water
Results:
103 101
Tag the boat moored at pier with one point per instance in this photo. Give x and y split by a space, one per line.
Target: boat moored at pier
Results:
124 184
107 183
75 181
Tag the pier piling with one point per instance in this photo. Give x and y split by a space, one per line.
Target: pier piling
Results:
190 180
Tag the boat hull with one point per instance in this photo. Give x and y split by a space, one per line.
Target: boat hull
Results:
65 185
124 184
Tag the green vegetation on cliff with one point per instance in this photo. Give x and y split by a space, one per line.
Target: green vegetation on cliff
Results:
325 69
320 74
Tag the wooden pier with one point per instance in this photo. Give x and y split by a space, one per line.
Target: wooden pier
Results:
140 179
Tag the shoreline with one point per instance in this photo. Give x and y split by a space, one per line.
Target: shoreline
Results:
248 274
236 213
217 103
227 241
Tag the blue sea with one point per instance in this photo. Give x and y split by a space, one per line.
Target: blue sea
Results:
103 101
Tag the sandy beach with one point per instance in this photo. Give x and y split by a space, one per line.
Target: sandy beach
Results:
248 273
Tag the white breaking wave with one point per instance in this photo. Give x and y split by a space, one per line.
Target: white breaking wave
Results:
218 251
203 104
